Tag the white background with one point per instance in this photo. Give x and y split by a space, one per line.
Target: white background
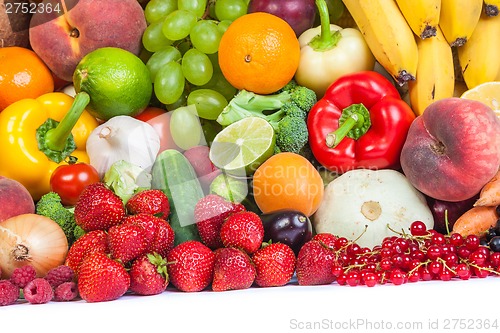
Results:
420 306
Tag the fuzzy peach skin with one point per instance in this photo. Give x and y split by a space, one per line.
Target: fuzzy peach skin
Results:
63 38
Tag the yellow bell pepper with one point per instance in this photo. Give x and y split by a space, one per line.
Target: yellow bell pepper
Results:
33 145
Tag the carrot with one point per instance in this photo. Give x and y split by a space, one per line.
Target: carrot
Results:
476 221
490 193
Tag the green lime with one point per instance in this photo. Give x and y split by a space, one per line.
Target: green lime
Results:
241 147
118 82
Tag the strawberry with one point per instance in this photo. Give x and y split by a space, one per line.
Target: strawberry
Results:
148 275
159 234
98 208
210 213
102 278
190 266
243 230
275 265
127 242
92 241
152 201
314 264
233 269
326 238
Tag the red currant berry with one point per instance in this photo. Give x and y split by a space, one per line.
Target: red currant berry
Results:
434 252
414 276
472 242
425 274
353 278
397 277
341 242
418 228
370 279
456 239
438 239
463 271
495 259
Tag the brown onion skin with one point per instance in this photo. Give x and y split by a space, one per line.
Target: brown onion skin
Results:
37 240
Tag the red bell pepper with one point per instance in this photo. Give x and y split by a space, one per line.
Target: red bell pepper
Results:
361 122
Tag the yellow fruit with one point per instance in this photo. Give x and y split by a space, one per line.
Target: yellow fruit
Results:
488 93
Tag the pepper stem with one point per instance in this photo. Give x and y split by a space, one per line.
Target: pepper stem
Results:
57 137
353 123
327 39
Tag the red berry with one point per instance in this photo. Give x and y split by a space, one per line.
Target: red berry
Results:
210 213
38 291
9 293
233 269
148 275
463 271
418 228
190 266
472 242
102 279
275 265
59 275
66 291
329 240
93 241
315 263
127 242
98 208
243 230
353 278
151 201
23 275
370 279
397 277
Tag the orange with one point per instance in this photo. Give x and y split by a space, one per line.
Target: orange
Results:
259 52
22 75
287 181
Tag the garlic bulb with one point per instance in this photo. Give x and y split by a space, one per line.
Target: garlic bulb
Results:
123 138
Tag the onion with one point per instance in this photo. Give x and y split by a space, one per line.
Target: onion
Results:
31 239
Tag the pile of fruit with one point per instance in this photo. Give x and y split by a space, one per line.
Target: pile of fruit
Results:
232 144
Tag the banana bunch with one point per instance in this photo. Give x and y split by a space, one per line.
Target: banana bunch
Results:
434 48
388 36
479 57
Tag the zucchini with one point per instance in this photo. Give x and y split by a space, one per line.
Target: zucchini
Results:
173 174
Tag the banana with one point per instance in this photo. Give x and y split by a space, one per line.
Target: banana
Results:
422 15
491 7
478 58
458 19
435 73
388 36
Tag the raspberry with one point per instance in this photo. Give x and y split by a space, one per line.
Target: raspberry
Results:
38 291
21 276
59 275
9 293
66 291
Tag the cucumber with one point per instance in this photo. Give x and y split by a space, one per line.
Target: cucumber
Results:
173 174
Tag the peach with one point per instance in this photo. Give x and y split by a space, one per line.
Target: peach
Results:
14 199
64 35
453 149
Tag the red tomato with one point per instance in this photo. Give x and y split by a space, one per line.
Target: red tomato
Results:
160 120
69 180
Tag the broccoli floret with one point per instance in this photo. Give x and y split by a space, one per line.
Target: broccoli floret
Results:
291 109
291 135
78 232
271 107
305 98
50 206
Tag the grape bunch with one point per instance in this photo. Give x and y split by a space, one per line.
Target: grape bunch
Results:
420 255
183 38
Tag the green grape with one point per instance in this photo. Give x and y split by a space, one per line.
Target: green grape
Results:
160 58
196 67
196 6
169 83
210 129
153 38
209 103
156 10
223 25
205 36
214 58
221 85
230 9
178 24
185 127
